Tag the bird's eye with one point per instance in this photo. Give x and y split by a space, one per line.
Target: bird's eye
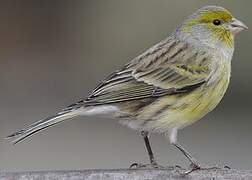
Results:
216 22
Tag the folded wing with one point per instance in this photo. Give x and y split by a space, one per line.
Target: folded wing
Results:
165 69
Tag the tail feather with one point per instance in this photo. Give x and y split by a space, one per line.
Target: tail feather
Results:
42 124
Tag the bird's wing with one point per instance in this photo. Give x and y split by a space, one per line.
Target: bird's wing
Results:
167 68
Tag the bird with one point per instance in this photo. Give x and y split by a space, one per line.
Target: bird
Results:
171 85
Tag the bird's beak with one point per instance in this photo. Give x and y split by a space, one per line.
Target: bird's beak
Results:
237 26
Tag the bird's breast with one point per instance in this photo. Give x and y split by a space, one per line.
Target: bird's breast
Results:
182 110
207 97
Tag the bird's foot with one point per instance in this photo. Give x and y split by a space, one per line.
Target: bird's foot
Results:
215 167
146 166
195 166
154 166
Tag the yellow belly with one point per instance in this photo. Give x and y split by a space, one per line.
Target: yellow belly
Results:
182 110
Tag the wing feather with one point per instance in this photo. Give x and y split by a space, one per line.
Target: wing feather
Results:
165 69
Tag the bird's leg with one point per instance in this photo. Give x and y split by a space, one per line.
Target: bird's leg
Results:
172 136
153 163
148 147
194 163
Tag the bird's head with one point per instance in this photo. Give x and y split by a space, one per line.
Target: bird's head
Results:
213 26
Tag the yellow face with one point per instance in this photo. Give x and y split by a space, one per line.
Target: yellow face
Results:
217 22
214 26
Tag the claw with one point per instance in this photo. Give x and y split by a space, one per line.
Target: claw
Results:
133 165
145 166
193 167
227 167
177 167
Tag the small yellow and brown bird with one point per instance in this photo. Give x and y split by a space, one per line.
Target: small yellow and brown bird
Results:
171 85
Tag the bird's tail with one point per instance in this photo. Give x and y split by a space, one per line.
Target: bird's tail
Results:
42 124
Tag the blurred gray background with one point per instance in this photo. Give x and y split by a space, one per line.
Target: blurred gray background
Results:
54 52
